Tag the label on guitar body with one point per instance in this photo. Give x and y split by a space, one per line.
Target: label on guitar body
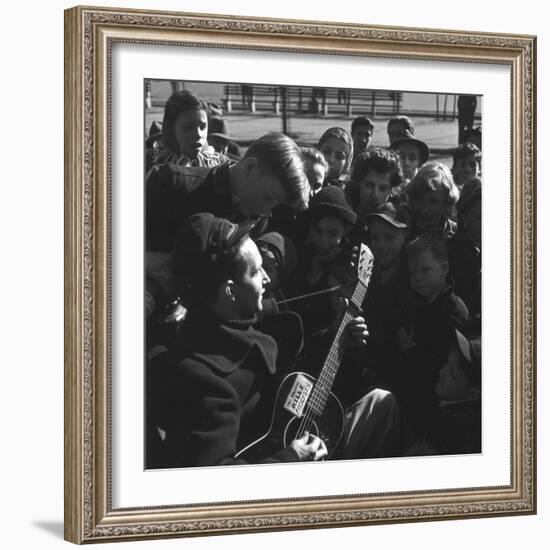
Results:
298 395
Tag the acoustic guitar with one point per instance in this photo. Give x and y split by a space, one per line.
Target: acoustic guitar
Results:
305 404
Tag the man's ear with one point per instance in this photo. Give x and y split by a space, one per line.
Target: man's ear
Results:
226 290
445 266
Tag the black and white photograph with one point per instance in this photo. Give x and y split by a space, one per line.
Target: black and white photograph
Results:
312 273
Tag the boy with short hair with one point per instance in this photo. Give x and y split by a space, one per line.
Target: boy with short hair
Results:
466 164
436 312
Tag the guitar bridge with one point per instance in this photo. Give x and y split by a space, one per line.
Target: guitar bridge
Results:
298 395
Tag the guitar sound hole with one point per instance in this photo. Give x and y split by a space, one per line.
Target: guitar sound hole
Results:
293 427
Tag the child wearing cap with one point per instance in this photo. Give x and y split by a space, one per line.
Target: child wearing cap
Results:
432 196
219 138
279 261
465 248
436 311
329 220
336 145
388 295
466 164
413 153
454 425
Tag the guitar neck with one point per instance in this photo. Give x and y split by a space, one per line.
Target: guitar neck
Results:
325 380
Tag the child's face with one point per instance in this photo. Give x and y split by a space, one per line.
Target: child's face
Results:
409 156
430 208
374 190
316 174
325 236
453 384
191 129
427 275
336 154
465 169
387 242
472 222
361 138
271 267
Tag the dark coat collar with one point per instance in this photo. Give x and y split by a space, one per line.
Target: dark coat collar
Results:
225 345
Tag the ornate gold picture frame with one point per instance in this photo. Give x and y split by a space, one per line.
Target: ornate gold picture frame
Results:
90 36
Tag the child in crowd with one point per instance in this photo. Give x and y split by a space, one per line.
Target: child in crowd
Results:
362 129
466 164
375 174
220 140
432 196
398 126
330 219
437 311
465 248
388 294
454 427
316 168
336 145
413 153
184 134
279 258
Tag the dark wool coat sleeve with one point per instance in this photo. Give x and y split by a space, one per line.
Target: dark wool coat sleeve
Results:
205 429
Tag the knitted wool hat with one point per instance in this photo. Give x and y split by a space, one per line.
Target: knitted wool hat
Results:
331 201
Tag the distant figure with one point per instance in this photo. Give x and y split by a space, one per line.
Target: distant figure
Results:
318 98
466 109
342 96
219 138
247 91
362 129
473 136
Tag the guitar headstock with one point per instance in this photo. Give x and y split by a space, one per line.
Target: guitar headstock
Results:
365 262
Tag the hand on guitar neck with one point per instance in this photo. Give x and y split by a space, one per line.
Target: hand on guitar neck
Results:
309 447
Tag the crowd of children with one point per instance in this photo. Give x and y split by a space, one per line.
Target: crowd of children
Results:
421 220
